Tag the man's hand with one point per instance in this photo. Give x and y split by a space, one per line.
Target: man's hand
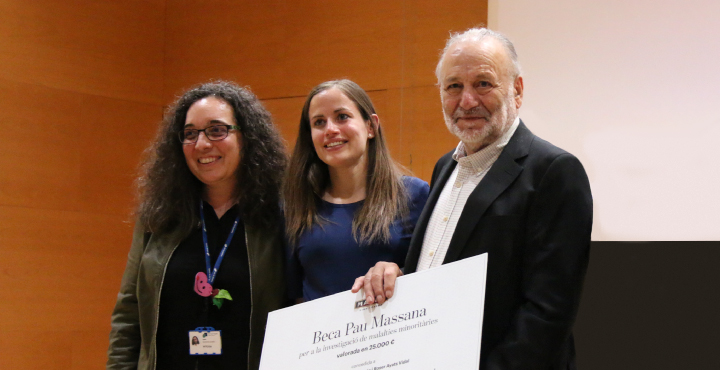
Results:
378 283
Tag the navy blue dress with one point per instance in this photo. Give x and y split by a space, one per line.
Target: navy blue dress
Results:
327 259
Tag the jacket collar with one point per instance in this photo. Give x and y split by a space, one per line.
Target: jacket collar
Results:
503 172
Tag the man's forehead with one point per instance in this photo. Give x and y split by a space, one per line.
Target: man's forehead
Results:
488 53
486 48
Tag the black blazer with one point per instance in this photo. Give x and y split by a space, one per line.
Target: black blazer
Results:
532 213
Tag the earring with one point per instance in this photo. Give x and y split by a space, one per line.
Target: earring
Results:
370 135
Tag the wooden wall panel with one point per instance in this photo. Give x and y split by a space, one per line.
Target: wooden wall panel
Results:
283 48
60 275
388 111
37 150
59 264
54 350
80 96
64 150
106 48
286 116
115 134
359 40
427 138
223 39
88 357
36 350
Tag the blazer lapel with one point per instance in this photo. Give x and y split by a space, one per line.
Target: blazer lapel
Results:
418 236
502 173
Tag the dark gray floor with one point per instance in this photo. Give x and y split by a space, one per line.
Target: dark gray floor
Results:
651 305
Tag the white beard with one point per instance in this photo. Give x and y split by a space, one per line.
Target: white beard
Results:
497 123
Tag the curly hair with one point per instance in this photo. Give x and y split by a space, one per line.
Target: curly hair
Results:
308 177
168 193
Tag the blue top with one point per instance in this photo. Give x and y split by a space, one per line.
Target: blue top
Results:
327 259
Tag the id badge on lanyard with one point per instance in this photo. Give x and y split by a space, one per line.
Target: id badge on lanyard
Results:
205 341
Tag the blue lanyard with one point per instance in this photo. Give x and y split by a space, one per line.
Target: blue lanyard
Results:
211 275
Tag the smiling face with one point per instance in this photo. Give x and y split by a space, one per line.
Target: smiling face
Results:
213 162
339 133
480 97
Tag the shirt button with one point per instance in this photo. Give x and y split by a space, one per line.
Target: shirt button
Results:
445 219
431 253
458 184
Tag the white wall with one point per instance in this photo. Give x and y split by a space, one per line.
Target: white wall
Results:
631 88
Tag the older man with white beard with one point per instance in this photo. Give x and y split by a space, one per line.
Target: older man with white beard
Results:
506 192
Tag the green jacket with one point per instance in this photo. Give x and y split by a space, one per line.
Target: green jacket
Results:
135 317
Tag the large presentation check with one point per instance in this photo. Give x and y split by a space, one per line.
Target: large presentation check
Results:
434 321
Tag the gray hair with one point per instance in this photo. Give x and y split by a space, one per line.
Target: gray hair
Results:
477 35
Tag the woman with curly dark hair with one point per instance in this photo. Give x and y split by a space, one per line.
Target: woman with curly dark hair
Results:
206 257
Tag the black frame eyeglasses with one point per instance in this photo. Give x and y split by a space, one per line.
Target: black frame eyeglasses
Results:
212 133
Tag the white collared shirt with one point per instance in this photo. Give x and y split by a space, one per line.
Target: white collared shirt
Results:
468 173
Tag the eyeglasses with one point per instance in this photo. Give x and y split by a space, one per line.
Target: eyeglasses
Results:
213 133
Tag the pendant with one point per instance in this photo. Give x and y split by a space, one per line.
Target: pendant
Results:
201 285
218 296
